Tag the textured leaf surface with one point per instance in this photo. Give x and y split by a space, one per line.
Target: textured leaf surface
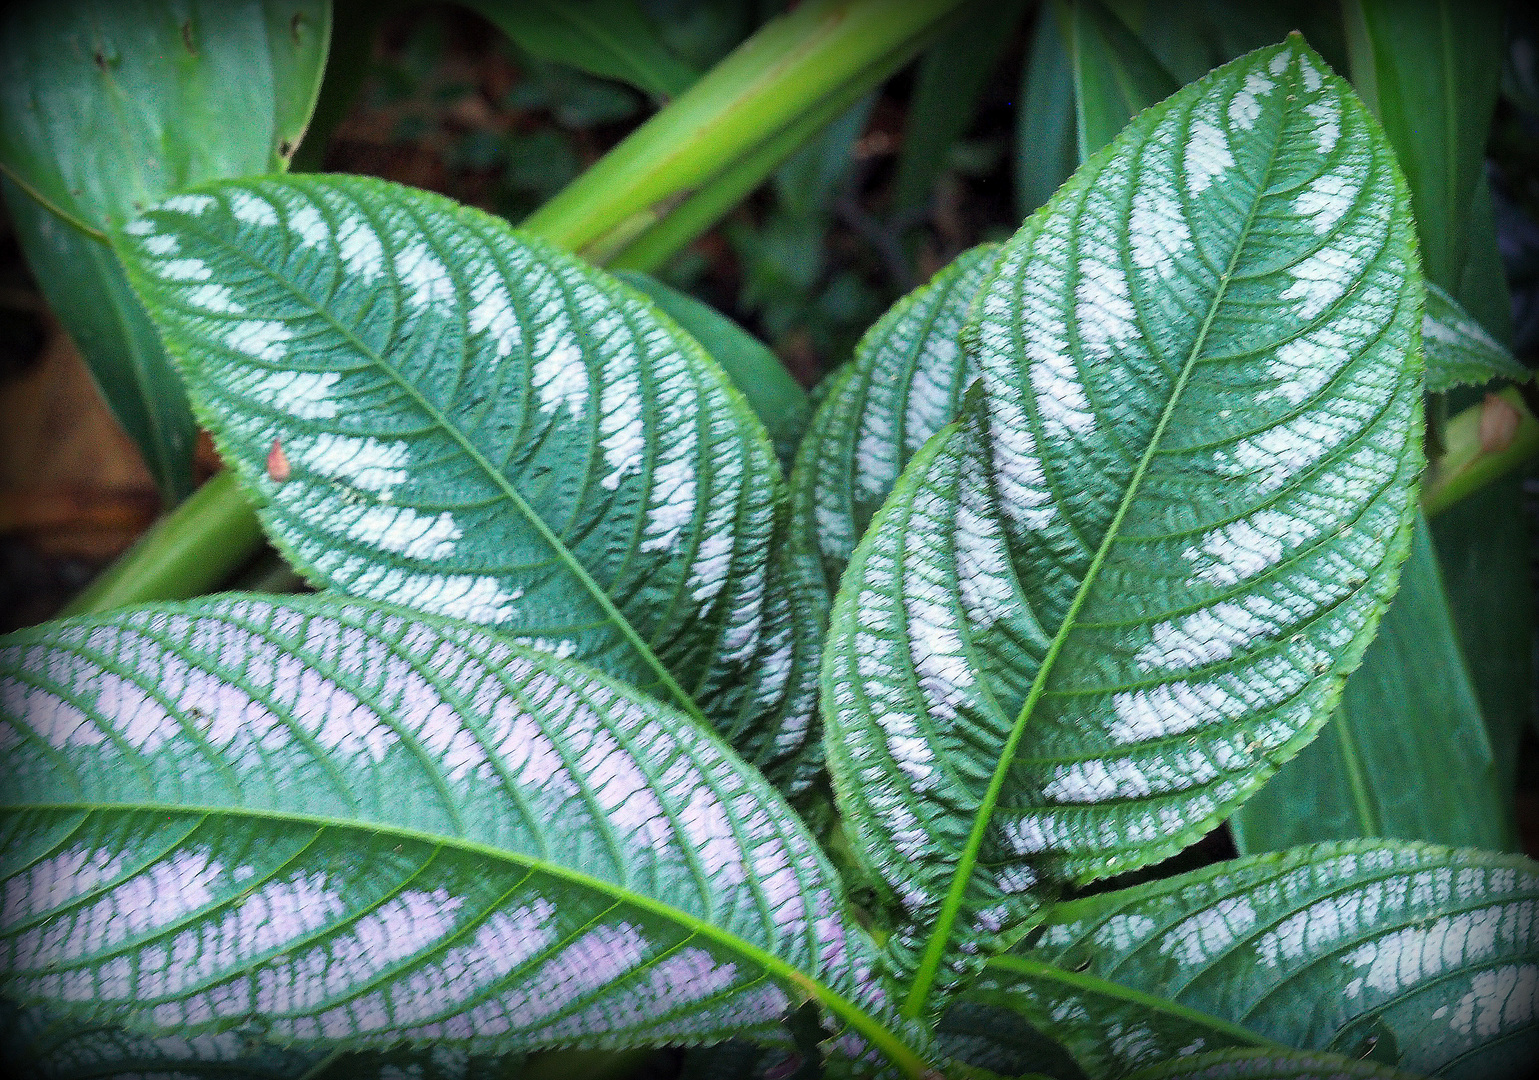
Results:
482 427
904 384
107 107
1272 1065
1098 613
1458 350
1406 754
1424 956
352 827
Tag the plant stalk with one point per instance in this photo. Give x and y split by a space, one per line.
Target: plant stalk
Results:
645 200
1480 444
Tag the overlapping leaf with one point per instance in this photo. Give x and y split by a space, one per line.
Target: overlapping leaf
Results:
476 425
1458 350
1099 611
344 826
1420 956
904 384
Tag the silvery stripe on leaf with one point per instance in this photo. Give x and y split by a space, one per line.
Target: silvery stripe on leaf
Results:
905 382
1433 950
1458 350
482 427
1273 1065
1163 539
361 826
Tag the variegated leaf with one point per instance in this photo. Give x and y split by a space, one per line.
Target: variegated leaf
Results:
477 425
904 384
1424 957
1458 350
343 826
1101 609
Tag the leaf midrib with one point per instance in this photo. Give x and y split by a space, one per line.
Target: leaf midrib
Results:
929 965
642 649
869 1026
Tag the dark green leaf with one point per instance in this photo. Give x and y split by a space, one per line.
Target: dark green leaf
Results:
1045 144
1406 754
1115 75
610 38
1271 1065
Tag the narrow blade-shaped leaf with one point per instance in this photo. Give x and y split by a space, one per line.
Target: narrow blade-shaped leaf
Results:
1272 1065
1422 956
349 825
1406 754
1100 611
480 426
1458 350
904 384
1045 146
609 38
1115 75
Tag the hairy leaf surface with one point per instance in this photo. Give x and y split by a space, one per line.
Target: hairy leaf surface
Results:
1422 956
1458 350
349 826
1103 608
480 426
904 384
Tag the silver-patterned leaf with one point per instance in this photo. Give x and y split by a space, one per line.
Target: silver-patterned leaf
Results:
1458 350
344 826
904 384
1425 957
1102 608
477 425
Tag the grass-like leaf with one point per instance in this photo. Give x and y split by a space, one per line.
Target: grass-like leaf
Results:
344 826
1103 608
1420 956
477 425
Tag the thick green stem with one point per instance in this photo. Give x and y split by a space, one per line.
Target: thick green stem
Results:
669 181
1472 458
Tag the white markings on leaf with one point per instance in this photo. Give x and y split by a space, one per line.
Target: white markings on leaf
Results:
185 270
1244 109
365 462
189 204
423 276
260 339
252 209
402 530
1207 156
303 394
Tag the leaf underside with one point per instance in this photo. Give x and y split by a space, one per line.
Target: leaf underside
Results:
1102 608
482 427
350 826
1423 956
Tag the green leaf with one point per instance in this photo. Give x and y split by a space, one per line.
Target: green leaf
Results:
1406 754
351 825
947 89
1271 1065
1115 75
608 38
1422 956
480 426
777 400
904 384
84 285
1432 73
107 107
1458 350
1045 146
1100 611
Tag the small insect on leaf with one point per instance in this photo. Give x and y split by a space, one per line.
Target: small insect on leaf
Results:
277 463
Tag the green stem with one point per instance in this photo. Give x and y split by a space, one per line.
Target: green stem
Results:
1466 466
191 550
